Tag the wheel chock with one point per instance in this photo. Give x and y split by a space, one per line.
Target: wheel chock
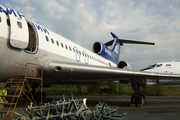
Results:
132 105
140 105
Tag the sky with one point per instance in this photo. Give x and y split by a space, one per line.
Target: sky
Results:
88 21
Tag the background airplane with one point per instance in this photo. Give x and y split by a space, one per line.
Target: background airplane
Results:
163 67
65 62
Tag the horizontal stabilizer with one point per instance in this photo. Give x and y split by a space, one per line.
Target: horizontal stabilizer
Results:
129 42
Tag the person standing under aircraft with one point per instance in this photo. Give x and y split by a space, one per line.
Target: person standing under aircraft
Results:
3 100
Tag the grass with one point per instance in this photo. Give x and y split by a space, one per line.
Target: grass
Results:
117 90
157 90
160 90
172 91
128 91
1 85
66 90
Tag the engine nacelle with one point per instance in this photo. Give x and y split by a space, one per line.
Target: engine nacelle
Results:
104 51
123 64
101 49
97 47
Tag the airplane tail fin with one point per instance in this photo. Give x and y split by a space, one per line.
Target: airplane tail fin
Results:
115 48
113 53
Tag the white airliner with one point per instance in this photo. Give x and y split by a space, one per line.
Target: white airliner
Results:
163 67
64 62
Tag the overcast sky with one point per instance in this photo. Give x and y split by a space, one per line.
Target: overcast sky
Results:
88 21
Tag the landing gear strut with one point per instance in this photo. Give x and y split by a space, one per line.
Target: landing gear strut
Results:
137 98
38 94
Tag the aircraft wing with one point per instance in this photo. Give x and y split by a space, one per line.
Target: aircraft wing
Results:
86 73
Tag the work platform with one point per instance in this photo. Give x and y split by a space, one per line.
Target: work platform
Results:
20 84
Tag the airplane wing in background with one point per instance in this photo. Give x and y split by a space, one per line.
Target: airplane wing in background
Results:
82 72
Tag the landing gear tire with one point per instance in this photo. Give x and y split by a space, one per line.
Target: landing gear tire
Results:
133 100
140 99
38 95
144 99
44 95
137 98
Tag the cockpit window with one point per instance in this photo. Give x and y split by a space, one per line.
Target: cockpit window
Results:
158 65
152 66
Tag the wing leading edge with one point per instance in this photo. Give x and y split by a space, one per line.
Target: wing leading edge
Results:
85 73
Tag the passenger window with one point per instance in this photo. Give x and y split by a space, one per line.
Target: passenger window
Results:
19 24
69 48
66 46
76 51
52 41
80 52
47 39
109 64
62 45
57 43
73 50
0 18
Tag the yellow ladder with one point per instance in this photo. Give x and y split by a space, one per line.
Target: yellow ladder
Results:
16 84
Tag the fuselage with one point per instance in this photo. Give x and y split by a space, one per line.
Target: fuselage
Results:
64 62
43 46
164 67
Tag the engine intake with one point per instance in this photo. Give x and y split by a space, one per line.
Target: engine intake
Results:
123 64
97 47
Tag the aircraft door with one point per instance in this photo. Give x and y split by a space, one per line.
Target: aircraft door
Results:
86 57
3 25
19 33
77 54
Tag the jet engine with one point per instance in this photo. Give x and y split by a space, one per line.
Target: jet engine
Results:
99 48
123 65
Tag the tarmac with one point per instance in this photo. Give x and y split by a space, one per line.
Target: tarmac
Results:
157 107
